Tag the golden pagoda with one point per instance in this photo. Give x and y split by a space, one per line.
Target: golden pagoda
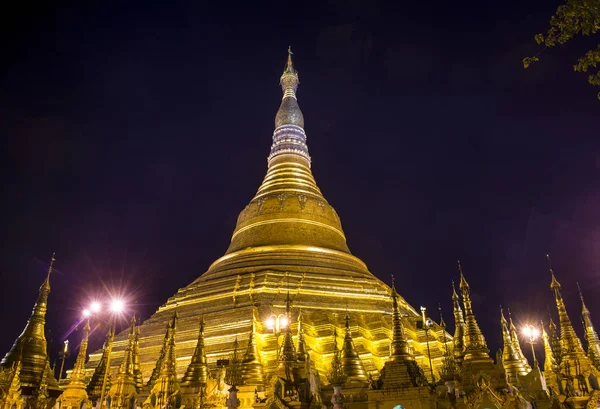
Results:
459 328
94 387
577 377
288 266
166 391
288 239
30 348
75 395
591 335
476 358
123 391
550 365
512 355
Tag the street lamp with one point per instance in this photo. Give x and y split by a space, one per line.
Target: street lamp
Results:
115 307
532 334
427 324
276 323
64 354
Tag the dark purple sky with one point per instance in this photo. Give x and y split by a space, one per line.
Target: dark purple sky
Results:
134 133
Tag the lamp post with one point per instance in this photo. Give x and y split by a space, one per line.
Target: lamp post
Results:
276 323
532 334
427 324
64 354
116 306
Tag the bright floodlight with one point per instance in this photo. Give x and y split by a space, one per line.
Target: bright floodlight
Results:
270 323
283 322
117 305
95 306
531 332
86 313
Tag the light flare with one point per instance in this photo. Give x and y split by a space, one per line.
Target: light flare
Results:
117 305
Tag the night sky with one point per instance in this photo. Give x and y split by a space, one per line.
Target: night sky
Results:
134 133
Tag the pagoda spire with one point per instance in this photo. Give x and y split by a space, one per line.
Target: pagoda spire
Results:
351 362
288 351
251 370
508 353
137 369
590 333
78 373
550 365
126 366
289 121
449 368
123 391
459 328
31 345
163 351
232 374
399 346
401 370
94 387
514 336
166 388
572 353
301 348
511 357
196 374
336 375
475 345
554 340
75 393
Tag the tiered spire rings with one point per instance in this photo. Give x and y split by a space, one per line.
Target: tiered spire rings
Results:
30 347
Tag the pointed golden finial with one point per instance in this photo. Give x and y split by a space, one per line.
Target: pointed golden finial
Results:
464 286
454 293
46 284
554 284
510 320
584 309
442 322
289 65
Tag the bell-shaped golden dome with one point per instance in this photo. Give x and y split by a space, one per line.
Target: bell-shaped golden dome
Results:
289 208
